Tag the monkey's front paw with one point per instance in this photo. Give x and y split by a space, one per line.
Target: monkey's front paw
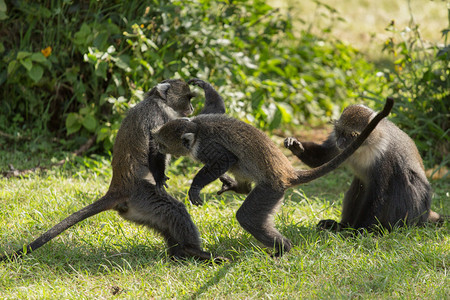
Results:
328 225
282 248
161 184
199 82
194 196
228 184
294 145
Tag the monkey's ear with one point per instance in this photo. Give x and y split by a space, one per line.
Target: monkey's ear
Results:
187 140
162 89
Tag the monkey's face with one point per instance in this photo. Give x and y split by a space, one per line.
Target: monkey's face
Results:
179 97
345 137
170 137
352 122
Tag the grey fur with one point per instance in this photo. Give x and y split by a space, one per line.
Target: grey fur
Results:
252 157
137 186
389 188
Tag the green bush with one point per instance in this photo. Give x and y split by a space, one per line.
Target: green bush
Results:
421 83
74 68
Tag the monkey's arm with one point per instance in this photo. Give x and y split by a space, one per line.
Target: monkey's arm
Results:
157 166
230 184
214 103
217 161
311 153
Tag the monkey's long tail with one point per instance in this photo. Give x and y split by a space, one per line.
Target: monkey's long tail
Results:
304 176
104 203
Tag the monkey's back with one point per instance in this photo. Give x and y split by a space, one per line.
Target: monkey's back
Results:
131 146
259 159
407 166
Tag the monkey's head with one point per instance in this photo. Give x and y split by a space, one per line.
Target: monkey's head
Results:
176 94
176 137
352 122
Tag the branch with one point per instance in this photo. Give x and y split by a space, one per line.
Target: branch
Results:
13 137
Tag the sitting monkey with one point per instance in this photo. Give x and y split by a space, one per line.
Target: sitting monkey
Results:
389 187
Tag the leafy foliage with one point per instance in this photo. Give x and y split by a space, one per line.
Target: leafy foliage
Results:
421 82
76 67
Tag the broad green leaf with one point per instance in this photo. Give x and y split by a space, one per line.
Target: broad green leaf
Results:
38 57
90 123
36 73
2 6
85 110
257 99
22 54
80 37
276 121
27 63
11 67
103 133
72 123
286 111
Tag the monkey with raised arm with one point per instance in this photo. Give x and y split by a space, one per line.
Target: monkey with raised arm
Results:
389 187
225 144
137 186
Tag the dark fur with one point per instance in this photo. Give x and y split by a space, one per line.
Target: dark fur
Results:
390 187
223 143
137 186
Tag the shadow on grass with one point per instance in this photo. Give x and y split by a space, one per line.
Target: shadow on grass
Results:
101 260
96 260
214 280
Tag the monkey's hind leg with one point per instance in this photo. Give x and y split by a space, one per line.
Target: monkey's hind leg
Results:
167 216
256 216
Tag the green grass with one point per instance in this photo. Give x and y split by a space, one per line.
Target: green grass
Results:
104 255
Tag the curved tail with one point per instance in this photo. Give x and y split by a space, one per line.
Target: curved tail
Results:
104 203
304 176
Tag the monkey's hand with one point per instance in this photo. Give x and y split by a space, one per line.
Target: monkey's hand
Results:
228 184
214 103
328 225
161 184
194 195
294 145
198 82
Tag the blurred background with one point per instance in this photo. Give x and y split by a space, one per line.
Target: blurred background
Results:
69 70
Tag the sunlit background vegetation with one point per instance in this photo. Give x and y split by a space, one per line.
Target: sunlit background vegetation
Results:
70 70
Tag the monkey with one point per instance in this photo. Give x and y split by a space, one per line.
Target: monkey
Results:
214 103
224 144
136 190
389 187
